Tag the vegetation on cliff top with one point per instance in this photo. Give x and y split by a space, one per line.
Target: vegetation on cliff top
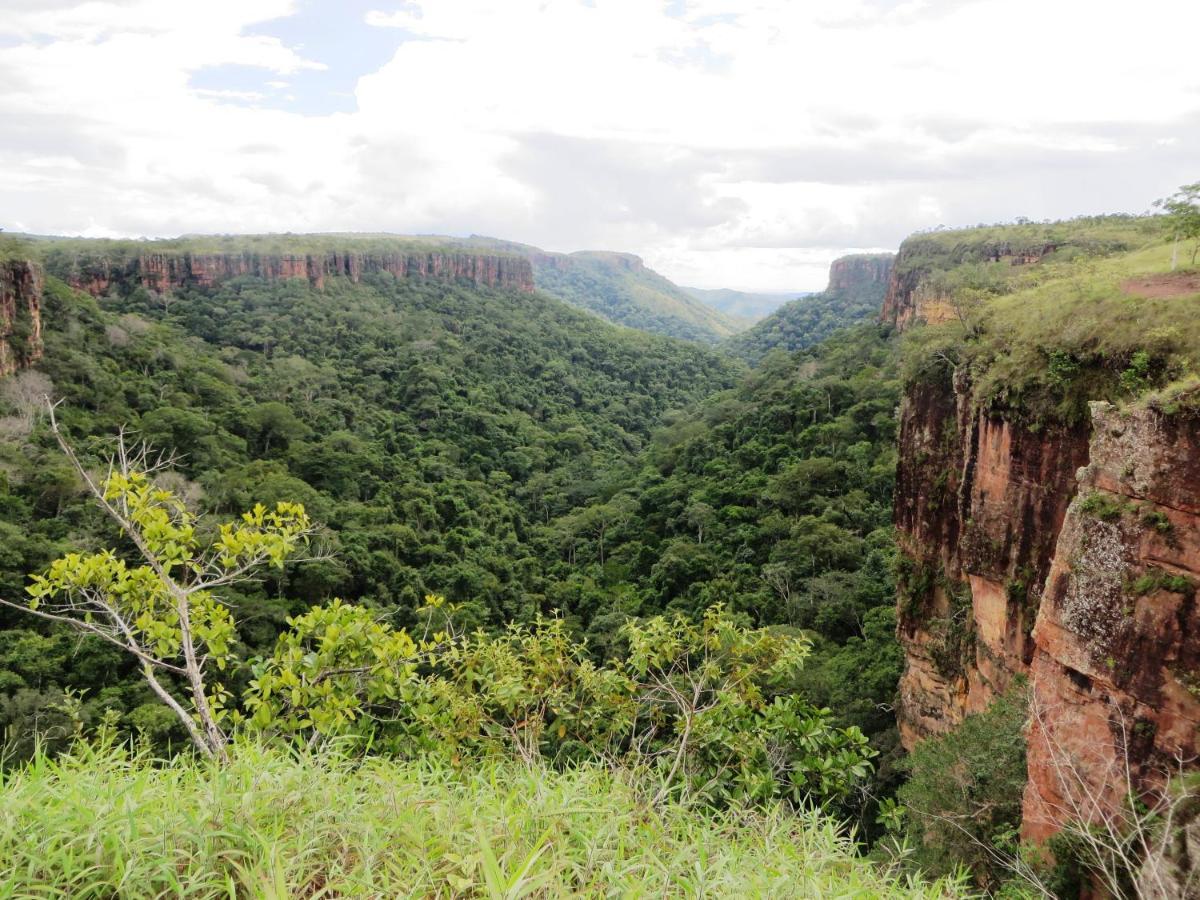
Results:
119 251
1099 316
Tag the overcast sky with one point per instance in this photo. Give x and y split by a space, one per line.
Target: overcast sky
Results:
732 143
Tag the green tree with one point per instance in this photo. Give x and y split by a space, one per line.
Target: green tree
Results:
164 611
1183 218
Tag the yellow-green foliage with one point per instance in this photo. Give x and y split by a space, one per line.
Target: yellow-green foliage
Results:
102 824
708 705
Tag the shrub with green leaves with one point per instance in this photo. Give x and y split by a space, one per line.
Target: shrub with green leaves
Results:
706 706
962 802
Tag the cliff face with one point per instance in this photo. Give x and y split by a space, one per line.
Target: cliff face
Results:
859 272
1116 669
915 295
979 503
1066 554
167 272
20 315
1071 556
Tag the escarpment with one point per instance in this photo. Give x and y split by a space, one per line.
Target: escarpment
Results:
917 292
20 315
860 271
165 272
1060 548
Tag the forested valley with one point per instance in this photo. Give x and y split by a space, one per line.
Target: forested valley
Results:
308 505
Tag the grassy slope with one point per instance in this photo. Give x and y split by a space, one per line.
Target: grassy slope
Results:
1046 338
100 824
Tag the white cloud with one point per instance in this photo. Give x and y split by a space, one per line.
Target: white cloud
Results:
742 144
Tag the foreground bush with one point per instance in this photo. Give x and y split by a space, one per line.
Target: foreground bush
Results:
103 823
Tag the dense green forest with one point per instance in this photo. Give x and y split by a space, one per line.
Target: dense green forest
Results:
809 320
545 531
495 448
431 428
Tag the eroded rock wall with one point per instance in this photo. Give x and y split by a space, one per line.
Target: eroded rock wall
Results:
164 272
20 315
1116 668
979 502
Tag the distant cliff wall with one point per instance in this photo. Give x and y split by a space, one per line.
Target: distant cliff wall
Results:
20 315
171 271
858 272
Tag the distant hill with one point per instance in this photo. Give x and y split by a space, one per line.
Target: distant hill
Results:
857 285
742 304
620 287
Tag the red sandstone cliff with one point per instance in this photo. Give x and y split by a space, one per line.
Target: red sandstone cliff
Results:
979 503
20 315
1071 555
172 271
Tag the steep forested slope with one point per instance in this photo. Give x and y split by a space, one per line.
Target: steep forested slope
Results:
619 287
857 285
774 498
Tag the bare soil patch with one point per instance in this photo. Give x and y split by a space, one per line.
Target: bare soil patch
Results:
1156 287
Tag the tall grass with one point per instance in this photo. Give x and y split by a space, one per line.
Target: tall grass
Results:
106 823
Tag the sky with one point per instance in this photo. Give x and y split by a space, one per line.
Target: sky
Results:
730 143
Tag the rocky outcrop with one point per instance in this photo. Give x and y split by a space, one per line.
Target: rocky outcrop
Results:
978 505
853 273
915 294
20 315
1116 669
164 272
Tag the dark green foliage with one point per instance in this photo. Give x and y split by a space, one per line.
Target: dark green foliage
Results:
809 320
490 446
1104 507
1159 580
774 497
963 797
